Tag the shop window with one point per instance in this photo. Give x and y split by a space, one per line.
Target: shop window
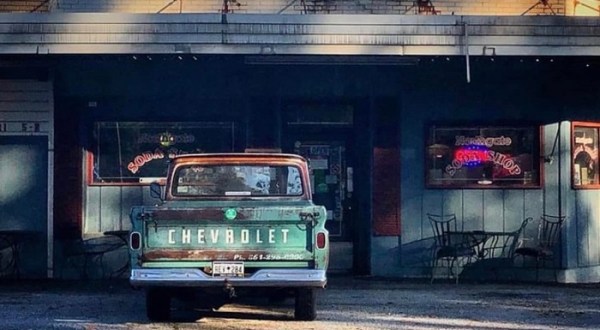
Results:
138 152
483 157
585 155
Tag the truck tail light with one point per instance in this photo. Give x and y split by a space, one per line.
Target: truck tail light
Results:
321 240
135 240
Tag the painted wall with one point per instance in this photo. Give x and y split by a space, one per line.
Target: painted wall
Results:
26 152
518 94
510 89
407 7
169 89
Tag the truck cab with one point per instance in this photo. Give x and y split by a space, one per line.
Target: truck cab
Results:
230 224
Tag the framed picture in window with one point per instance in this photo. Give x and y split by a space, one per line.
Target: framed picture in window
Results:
483 156
584 147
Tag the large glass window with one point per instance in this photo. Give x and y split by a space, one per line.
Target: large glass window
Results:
482 157
237 180
138 152
585 155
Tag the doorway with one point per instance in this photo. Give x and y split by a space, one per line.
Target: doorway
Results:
328 146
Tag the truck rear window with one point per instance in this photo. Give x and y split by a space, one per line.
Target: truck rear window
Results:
237 180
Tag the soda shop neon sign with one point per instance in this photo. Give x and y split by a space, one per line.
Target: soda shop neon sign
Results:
473 151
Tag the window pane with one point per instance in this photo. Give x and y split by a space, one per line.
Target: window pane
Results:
483 156
238 180
138 152
585 156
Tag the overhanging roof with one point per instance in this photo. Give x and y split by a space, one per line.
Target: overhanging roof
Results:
103 33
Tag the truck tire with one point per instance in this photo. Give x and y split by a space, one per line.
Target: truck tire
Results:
158 304
306 304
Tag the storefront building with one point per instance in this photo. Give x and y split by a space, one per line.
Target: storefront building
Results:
424 107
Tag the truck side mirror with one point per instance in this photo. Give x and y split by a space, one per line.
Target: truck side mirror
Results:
155 190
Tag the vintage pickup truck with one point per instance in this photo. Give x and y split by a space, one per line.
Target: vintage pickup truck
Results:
227 225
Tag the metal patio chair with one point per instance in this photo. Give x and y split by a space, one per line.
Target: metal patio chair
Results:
504 245
548 236
447 250
498 249
87 255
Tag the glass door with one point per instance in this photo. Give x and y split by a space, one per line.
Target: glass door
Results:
329 180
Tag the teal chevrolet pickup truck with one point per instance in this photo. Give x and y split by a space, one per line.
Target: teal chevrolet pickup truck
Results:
227 225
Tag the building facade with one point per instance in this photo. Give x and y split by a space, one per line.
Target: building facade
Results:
393 101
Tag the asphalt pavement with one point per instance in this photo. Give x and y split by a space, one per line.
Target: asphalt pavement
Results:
348 303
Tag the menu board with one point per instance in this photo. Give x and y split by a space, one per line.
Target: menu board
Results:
482 156
139 152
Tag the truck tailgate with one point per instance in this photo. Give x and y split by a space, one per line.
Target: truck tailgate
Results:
213 234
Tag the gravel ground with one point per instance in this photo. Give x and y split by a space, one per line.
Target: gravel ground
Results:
348 303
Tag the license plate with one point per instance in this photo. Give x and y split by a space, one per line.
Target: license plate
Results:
228 268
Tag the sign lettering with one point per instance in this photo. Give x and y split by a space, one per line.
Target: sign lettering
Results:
497 158
267 256
479 140
145 157
20 126
227 236
30 127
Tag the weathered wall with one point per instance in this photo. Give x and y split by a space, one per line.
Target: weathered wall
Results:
267 35
436 89
26 161
519 94
404 7
408 7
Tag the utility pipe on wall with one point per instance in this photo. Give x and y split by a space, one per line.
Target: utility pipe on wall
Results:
466 45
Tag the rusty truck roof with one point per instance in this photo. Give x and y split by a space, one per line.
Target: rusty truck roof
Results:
242 159
239 157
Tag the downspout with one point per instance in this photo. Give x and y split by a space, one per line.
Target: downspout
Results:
560 174
466 45
224 28
50 184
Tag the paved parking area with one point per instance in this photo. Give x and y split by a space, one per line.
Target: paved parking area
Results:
348 303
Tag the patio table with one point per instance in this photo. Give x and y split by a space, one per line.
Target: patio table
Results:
485 243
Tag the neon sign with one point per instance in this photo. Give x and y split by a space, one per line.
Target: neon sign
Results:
460 155
473 157
479 140
145 157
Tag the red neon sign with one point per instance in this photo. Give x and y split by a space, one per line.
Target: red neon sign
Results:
470 156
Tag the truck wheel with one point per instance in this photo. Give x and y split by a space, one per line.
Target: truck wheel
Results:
158 304
306 304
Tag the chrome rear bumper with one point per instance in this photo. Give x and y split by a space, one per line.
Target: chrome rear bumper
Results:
196 278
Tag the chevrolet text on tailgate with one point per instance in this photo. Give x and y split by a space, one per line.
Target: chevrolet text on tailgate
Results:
230 224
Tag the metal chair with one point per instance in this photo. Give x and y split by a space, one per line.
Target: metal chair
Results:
498 249
446 248
7 259
548 235
87 255
504 245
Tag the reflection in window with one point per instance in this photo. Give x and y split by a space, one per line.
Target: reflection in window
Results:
237 180
482 156
585 155
139 152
